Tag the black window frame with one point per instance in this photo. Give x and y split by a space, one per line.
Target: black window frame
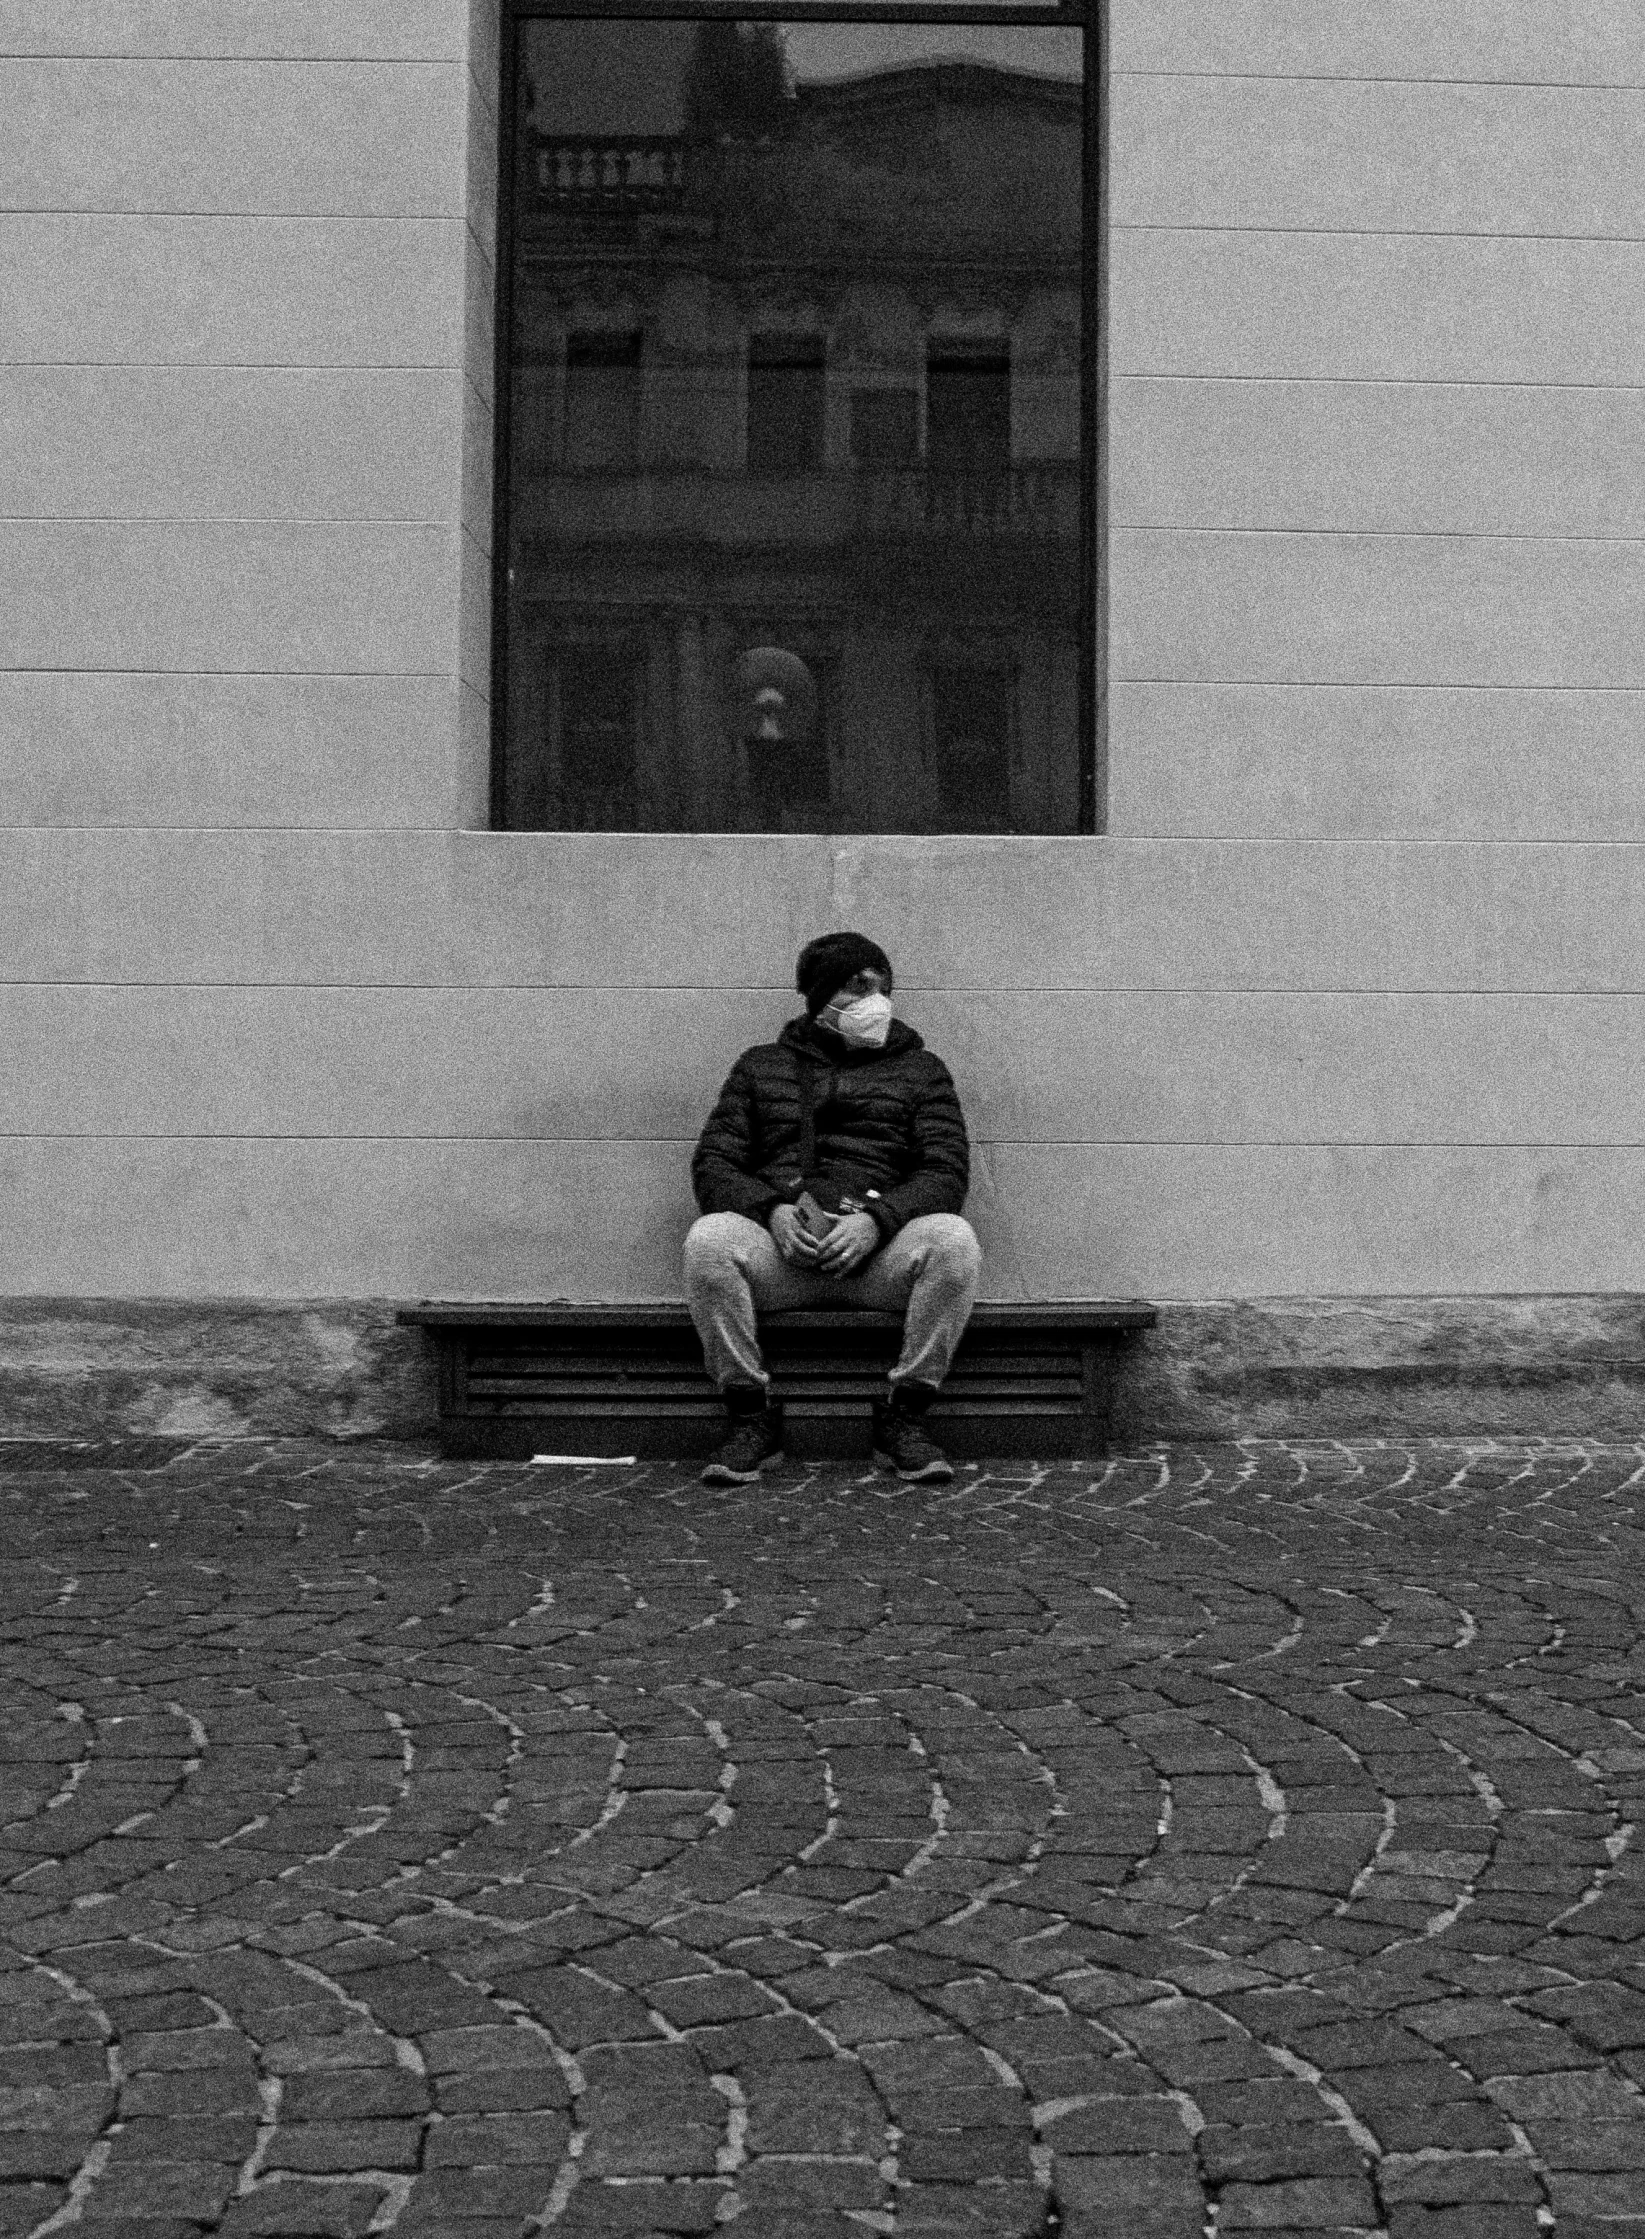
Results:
1089 16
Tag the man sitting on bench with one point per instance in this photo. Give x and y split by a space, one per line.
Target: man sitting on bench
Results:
831 1173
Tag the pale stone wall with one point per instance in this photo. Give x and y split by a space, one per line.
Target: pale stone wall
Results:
1378 577
245 377
1347 1002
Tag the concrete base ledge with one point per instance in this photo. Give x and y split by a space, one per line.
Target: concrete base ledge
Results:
212 1368
1523 1366
1526 1366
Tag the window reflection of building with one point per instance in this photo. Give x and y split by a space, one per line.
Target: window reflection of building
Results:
826 374
787 402
579 765
967 410
971 710
601 430
885 428
596 719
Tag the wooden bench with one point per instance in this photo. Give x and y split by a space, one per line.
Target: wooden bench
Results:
515 1380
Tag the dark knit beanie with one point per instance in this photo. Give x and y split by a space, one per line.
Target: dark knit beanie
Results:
828 962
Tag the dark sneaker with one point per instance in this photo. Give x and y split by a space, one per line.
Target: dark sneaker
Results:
902 1443
754 1440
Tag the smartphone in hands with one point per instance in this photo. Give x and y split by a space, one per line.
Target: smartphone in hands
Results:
816 1223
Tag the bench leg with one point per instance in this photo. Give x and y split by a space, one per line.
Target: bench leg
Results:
1097 1378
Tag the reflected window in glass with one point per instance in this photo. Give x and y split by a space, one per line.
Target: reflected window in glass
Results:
787 399
971 728
602 403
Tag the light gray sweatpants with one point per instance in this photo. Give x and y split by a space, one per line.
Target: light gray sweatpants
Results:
928 1273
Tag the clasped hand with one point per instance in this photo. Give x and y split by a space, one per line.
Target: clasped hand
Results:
851 1240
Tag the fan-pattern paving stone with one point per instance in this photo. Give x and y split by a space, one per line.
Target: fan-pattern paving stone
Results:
1204 1842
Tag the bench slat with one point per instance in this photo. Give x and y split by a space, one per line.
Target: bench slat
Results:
1038 1313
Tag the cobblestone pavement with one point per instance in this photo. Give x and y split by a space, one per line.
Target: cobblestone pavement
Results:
1209 1842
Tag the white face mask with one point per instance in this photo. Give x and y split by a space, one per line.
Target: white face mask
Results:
863 1024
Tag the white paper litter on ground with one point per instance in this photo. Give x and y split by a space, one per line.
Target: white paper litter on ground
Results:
586 1461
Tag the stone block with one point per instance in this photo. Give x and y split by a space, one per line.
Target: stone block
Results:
24 2207
360 2095
470 767
1347 155
425 908
1603 2146
304 30
237 136
185 751
29 2157
484 42
1222 1067
1377 307
1460 2179
481 136
498 2141
1228 914
1618 2193
1493 2220
1587 42
478 460
159 290
198 2189
1306 2203
287 596
1230 1221
382 1063
232 443
1226 607
480 318
76 1370
1585 2097
1386 457
316 2147
1128 2198
1206 761
1374 1366
474 612
513 2193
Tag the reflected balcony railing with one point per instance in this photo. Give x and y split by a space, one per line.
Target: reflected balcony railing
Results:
840 508
634 172
1034 501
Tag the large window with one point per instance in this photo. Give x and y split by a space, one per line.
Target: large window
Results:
797 511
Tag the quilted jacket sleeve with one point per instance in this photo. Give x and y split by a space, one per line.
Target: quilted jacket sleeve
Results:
724 1165
942 1171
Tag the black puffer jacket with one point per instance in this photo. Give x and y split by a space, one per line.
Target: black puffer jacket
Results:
886 1120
